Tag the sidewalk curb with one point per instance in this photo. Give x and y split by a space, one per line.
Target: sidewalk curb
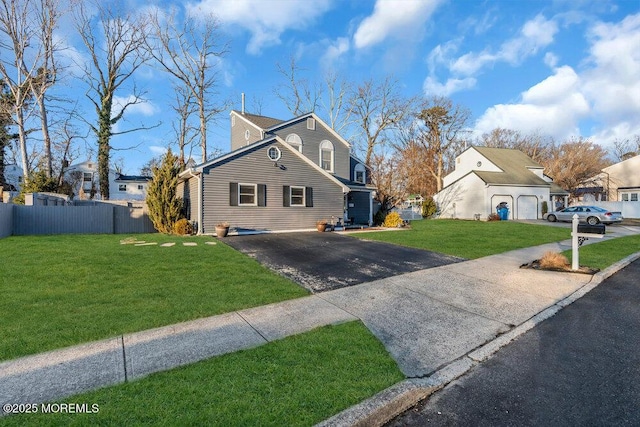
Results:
393 401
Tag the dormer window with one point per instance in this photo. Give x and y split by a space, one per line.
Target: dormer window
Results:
326 155
295 141
360 174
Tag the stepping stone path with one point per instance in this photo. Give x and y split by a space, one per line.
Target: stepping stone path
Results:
166 245
210 243
189 244
146 244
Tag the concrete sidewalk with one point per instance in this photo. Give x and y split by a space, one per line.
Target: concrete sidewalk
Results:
426 319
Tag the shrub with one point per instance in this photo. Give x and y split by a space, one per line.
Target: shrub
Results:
545 207
183 227
429 207
554 260
393 220
379 217
165 207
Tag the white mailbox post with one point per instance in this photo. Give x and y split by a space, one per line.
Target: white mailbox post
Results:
575 242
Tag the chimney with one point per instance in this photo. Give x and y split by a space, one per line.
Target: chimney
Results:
243 103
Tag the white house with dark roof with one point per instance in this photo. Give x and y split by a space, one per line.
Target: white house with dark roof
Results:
484 178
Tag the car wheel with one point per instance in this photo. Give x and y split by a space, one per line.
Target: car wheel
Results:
551 218
592 220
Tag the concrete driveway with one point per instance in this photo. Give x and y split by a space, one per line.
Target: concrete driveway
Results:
325 261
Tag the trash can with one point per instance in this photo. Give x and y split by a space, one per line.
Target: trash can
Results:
504 214
503 211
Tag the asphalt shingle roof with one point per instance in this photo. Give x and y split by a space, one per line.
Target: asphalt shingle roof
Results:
515 166
263 122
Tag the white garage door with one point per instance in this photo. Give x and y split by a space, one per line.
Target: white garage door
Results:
527 207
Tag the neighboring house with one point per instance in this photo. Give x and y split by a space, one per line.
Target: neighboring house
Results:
486 177
616 183
84 180
280 175
13 177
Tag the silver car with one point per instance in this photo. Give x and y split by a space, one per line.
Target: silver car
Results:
590 214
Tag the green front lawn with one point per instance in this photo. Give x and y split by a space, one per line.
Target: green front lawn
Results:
297 381
70 289
603 254
470 239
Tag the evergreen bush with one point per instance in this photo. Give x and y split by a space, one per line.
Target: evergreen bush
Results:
165 207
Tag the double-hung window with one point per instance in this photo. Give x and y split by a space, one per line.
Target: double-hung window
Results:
326 155
247 194
297 196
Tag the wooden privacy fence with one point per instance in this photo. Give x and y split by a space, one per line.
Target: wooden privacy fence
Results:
97 219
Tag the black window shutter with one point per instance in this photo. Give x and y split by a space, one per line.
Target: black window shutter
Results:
233 194
286 196
308 195
262 195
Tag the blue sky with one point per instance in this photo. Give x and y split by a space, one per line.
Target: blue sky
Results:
562 67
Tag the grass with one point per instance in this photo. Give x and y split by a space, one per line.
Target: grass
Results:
297 381
471 239
603 254
69 289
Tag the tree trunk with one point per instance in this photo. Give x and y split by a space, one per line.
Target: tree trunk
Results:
104 136
45 135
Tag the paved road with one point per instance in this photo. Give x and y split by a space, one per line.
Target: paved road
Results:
325 261
580 367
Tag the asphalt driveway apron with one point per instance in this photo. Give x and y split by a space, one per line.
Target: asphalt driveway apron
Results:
325 261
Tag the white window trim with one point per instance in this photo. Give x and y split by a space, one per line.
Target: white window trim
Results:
255 194
247 134
295 144
320 149
360 168
311 123
269 153
304 197
122 187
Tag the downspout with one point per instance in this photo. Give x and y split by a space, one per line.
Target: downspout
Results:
199 210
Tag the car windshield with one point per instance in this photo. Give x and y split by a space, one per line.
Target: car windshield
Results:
597 209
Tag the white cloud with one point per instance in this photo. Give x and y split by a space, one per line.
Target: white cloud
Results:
394 18
433 87
535 35
157 150
335 50
265 20
554 106
613 83
145 108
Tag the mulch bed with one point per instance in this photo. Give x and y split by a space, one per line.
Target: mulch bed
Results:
535 264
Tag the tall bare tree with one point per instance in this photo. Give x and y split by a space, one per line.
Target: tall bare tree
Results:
20 55
48 15
298 94
624 149
190 53
576 163
185 133
533 145
116 48
443 134
378 108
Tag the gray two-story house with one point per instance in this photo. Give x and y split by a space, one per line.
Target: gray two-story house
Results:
279 176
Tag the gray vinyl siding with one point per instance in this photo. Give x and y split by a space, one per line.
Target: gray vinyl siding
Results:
359 213
238 131
311 140
254 167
